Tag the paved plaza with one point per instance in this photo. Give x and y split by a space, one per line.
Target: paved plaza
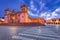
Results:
48 32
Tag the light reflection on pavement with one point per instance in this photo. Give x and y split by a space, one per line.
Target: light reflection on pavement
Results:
48 32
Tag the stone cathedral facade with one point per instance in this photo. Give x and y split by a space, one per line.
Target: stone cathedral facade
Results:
20 16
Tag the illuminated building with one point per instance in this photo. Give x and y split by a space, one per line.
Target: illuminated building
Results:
41 20
53 21
20 16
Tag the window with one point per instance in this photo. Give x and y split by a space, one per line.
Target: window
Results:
59 19
18 15
22 16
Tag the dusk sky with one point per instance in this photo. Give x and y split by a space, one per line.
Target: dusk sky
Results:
36 8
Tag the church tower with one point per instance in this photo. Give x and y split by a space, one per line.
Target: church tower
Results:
25 11
7 16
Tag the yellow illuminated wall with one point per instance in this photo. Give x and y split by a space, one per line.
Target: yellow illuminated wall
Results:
41 20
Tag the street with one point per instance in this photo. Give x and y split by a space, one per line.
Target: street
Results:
48 32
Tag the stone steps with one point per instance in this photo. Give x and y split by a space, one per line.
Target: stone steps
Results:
43 36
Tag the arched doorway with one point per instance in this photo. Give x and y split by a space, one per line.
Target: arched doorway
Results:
13 19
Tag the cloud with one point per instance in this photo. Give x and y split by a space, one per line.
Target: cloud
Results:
22 1
1 19
31 2
37 11
42 5
58 9
48 18
49 15
54 14
43 14
43 11
32 6
31 14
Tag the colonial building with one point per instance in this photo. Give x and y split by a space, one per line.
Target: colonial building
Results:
53 21
20 16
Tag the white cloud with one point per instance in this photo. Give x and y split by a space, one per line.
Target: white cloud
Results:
57 10
31 2
49 15
42 5
32 6
48 18
37 11
31 14
54 13
42 14
1 19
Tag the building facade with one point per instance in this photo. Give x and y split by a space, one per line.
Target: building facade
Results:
53 21
20 17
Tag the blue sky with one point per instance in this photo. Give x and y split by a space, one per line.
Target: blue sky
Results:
47 9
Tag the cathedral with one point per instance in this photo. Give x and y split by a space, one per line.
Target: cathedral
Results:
20 16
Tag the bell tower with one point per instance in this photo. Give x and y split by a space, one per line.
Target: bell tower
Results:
25 11
7 16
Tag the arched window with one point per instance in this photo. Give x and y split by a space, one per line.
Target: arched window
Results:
22 16
59 19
